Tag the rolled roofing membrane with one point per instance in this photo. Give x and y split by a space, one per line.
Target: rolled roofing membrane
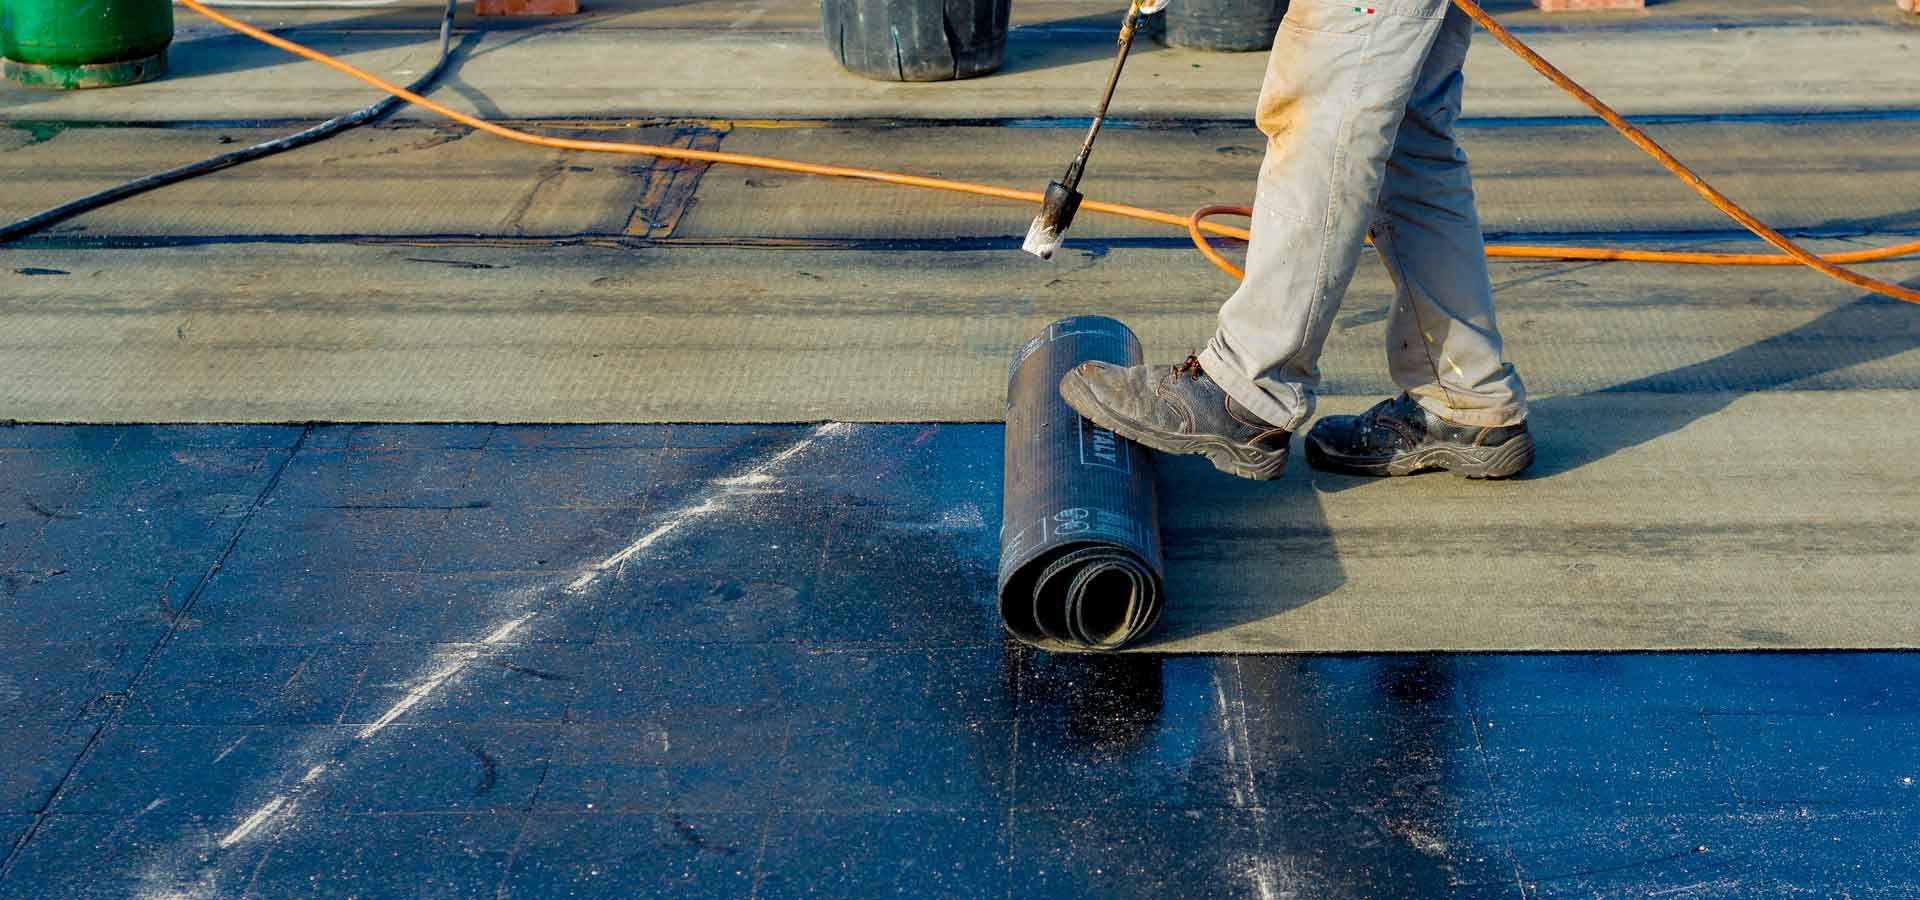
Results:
1080 560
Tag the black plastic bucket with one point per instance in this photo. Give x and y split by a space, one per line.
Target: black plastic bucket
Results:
916 40
1230 25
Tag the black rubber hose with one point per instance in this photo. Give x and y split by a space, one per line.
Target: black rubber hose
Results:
313 135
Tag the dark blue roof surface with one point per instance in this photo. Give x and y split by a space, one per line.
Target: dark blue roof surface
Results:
630 661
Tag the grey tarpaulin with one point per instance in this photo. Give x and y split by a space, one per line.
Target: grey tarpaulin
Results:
1080 562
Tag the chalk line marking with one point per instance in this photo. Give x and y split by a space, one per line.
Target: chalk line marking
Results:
729 489
253 822
726 493
425 687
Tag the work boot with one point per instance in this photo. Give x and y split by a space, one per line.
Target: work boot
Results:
1399 437
1177 409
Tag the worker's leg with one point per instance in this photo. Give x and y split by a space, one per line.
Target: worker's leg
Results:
1337 87
1442 345
1463 408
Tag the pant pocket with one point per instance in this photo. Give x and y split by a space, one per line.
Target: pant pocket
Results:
1329 17
1311 80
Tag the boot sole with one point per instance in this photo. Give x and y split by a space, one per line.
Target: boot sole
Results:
1504 461
1242 460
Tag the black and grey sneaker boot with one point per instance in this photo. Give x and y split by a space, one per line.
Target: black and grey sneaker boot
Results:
1399 437
1177 409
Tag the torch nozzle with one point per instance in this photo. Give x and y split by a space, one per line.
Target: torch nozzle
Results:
1049 228
1062 199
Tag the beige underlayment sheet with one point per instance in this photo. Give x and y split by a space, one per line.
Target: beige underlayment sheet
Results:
423 180
432 333
1724 454
1650 522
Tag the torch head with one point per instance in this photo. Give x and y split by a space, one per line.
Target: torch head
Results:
1056 215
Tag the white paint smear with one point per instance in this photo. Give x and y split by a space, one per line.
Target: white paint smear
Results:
230 748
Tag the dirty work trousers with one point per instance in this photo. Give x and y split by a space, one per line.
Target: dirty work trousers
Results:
1358 108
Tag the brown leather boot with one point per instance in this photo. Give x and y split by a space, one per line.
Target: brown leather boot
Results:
1177 409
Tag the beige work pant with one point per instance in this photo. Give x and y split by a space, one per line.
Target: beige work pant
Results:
1358 108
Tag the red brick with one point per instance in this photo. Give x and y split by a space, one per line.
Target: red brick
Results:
1591 5
526 7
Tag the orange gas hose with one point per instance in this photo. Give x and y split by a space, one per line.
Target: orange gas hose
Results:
1672 164
1195 224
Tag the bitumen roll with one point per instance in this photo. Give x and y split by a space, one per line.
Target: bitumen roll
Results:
1080 560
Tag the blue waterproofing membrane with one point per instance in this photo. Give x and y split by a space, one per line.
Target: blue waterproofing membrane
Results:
779 671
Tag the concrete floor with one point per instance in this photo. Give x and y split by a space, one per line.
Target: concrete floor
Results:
620 660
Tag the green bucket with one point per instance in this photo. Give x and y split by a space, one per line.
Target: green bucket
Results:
71 44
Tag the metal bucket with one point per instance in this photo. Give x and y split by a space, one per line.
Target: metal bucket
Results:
71 44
